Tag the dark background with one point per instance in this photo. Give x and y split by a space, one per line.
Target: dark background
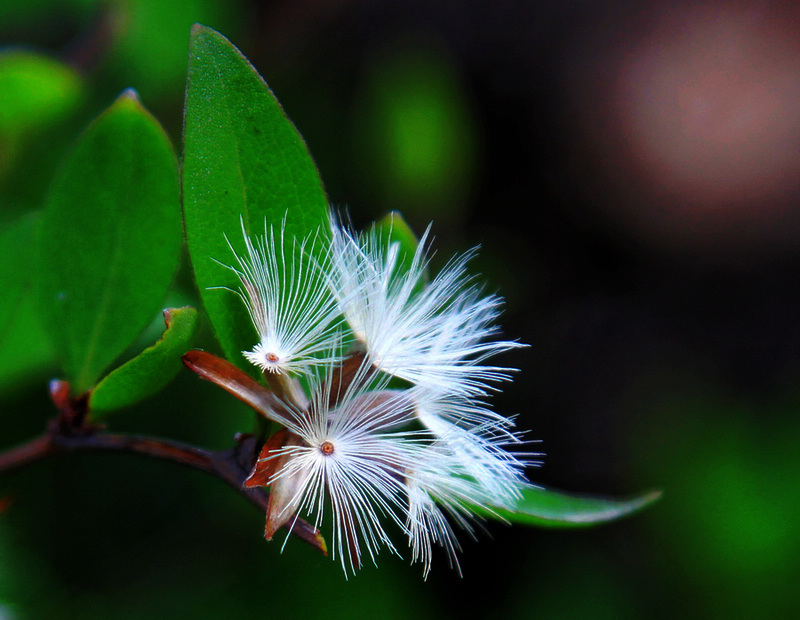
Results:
630 171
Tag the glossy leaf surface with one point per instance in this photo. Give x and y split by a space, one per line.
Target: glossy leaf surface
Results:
244 164
110 239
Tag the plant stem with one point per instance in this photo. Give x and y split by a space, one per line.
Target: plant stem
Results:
232 465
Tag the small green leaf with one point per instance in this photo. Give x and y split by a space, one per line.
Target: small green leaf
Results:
243 158
548 508
149 371
110 239
393 226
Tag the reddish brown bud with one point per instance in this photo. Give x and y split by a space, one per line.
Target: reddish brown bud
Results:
59 394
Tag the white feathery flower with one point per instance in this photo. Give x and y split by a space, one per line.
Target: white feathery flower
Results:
478 453
425 457
442 490
350 455
427 524
288 302
433 333
476 439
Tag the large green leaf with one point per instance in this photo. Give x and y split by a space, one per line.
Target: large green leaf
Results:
149 371
110 239
16 248
24 349
549 508
243 158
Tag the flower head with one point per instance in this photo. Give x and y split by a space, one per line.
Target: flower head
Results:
425 455
436 333
475 442
346 449
288 302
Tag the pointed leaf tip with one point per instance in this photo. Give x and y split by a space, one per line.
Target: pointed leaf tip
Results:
130 93
244 164
128 101
151 370
113 207
198 28
550 508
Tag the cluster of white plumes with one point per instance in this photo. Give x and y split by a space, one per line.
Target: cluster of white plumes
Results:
383 376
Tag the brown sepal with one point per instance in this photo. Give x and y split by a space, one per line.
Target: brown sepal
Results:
265 467
285 493
236 382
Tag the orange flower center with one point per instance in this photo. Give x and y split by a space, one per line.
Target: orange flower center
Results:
326 448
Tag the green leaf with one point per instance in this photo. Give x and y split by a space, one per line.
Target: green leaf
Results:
549 508
16 243
24 349
110 239
38 95
416 133
151 370
243 158
393 226
35 90
27 356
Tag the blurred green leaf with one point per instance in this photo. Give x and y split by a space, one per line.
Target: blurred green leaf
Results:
242 159
39 97
415 131
731 464
151 370
27 355
34 90
549 508
151 50
110 239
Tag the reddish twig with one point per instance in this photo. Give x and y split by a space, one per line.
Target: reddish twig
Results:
233 465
